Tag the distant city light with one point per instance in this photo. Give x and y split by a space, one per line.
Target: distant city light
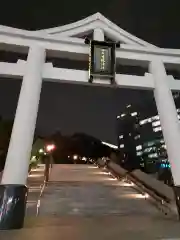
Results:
128 106
118 116
110 145
155 124
139 147
41 150
75 157
122 146
137 137
165 165
50 147
157 129
134 114
121 137
155 117
123 114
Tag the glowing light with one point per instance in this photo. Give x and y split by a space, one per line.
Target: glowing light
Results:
75 157
36 175
139 195
134 114
146 195
50 147
41 150
112 179
126 184
139 147
110 145
103 173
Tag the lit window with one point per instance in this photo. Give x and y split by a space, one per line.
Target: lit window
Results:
139 147
155 117
134 114
164 146
155 124
121 137
143 122
137 137
149 144
157 129
148 149
148 120
153 155
139 153
122 146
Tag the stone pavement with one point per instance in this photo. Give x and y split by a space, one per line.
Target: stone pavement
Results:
83 202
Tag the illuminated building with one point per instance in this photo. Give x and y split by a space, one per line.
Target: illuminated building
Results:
145 137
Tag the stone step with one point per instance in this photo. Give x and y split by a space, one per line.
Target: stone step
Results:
101 228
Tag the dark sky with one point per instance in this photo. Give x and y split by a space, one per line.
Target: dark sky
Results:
74 108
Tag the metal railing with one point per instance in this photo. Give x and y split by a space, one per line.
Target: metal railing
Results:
47 171
162 202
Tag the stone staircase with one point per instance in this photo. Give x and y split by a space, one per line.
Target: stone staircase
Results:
83 202
35 182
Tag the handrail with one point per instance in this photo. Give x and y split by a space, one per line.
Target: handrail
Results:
47 170
160 195
162 201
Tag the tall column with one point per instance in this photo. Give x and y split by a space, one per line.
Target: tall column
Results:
13 191
169 122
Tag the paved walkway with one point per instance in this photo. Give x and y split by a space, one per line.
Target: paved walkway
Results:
82 202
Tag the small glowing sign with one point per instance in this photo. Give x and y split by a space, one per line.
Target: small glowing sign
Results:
102 59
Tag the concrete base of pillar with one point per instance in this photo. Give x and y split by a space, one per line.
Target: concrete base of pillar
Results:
177 196
12 206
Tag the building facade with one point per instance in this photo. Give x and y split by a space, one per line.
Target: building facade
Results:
145 140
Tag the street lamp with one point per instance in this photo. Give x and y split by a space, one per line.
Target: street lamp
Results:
75 157
48 160
50 148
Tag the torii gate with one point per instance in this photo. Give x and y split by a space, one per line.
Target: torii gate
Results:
67 42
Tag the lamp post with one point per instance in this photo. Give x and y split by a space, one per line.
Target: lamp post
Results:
48 160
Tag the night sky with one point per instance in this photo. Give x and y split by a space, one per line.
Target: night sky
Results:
76 108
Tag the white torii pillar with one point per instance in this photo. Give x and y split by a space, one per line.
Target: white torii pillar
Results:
169 121
13 191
